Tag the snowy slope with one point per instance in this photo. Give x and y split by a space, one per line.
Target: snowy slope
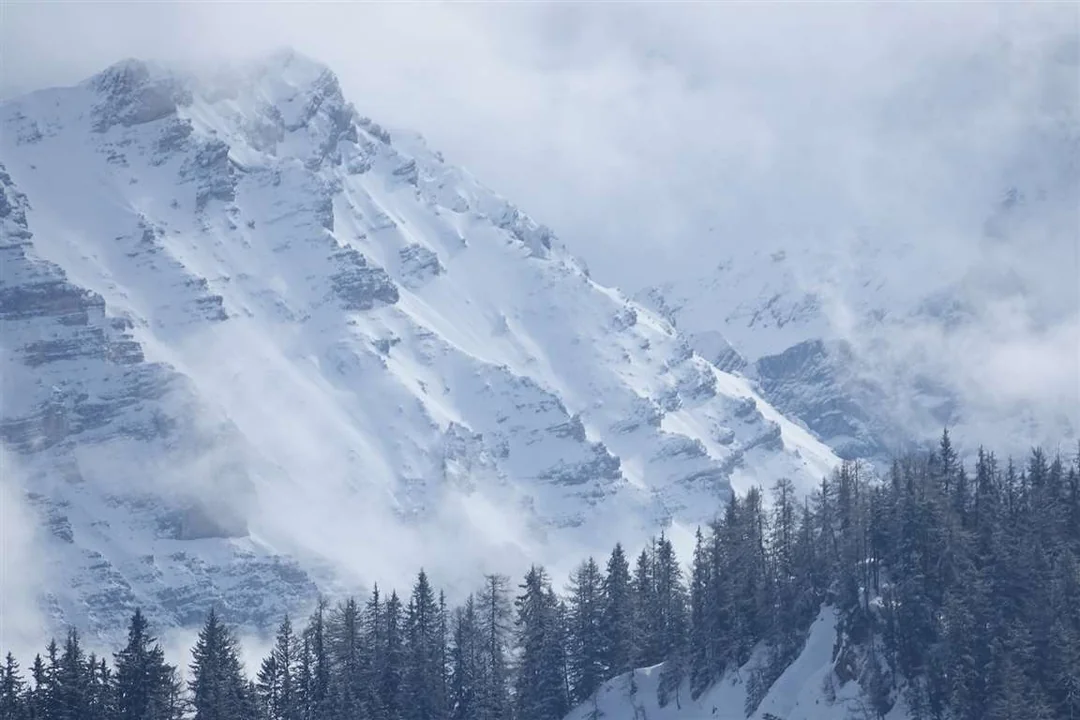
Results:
809 689
942 289
253 344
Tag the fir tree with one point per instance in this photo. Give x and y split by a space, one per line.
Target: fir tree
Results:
390 690
144 685
617 615
12 689
276 680
541 688
496 612
586 637
466 663
424 650
218 688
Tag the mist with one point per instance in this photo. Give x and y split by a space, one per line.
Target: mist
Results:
23 565
652 138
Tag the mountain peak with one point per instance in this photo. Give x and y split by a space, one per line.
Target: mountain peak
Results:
245 279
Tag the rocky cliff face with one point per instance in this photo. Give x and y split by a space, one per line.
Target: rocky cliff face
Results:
255 344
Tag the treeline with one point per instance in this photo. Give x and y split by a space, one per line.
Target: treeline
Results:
958 591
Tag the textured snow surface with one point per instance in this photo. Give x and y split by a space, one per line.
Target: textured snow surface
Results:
254 344
872 338
798 694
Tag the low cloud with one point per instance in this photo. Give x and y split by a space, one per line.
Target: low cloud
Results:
23 565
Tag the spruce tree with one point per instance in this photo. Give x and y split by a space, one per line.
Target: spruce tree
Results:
541 687
496 611
585 641
466 663
276 681
218 688
72 685
700 668
391 690
12 690
424 651
144 685
617 615
375 649
347 659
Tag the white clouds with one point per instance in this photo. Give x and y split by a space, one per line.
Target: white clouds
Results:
652 136
22 565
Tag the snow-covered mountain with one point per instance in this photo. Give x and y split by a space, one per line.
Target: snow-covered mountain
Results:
878 336
256 345
817 685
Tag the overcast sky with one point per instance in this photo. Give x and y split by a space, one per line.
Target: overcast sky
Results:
652 136
632 126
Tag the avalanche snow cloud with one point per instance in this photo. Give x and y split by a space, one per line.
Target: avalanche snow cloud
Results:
894 185
256 345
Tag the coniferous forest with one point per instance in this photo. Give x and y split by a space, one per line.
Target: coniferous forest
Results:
957 590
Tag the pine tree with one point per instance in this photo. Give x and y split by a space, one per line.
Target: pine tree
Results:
646 624
700 668
671 620
347 659
276 681
585 642
496 632
374 631
38 699
541 688
617 615
218 688
101 703
72 691
424 651
391 699
466 663
144 685
316 699
12 689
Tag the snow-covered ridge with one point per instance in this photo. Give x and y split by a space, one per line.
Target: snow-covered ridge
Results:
313 351
810 688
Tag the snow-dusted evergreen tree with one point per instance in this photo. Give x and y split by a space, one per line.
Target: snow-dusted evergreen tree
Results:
646 623
12 690
219 690
617 614
72 681
348 659
466 662
374 633
960 592
497 622
585 639
541 691
700 668
391 664
424 680
316 696
276 685
672 621
145 687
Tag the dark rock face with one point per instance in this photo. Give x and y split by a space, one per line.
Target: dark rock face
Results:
213 173
93 393
603 467
359 285
131 95
47 322
537 238
418 265
810 381
198 522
